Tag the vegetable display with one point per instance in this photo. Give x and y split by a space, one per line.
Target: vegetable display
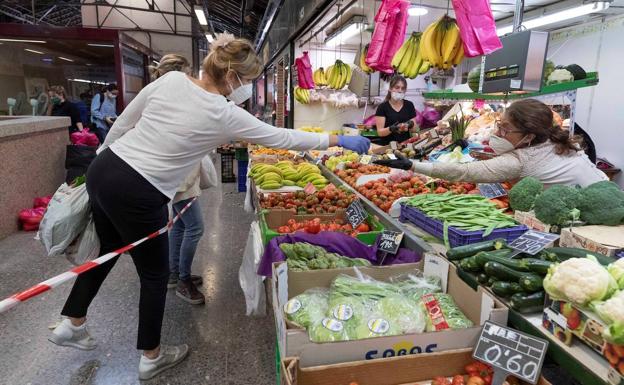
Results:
307 308
522 195
302 256
616 269
315 226
443 313
558 205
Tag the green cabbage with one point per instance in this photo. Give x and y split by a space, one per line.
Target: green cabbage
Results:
327 330
307 308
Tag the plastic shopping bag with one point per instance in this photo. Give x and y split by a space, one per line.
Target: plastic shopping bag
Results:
31 218
84 138
476 27
66 217
86 247
251 283
207 173
42 201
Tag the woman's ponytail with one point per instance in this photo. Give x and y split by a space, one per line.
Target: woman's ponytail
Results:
564 143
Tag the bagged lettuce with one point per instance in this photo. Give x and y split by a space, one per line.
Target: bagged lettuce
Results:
327 330
363 287
441 312
403 313
415 285
307 308
374 326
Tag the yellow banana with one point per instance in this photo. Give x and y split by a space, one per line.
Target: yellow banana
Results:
349 73
451 43
459 56
424 67
398 56
405 61
438 35
425 43
416 61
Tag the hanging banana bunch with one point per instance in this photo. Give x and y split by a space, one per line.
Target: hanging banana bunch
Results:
302 95
319 77
338 75
441 44
408 60
363 64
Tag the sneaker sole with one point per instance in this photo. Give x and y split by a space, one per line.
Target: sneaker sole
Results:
151 375
191 301
71 344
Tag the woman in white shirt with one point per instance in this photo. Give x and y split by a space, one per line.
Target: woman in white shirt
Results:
154 144
527 143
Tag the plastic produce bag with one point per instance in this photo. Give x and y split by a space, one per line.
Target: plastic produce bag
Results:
441 312
30 219
84 138
327 330
389 34
304 72
42 201
476 27
86 247
415 285
207 173
66 217
403 313
307 308
251 283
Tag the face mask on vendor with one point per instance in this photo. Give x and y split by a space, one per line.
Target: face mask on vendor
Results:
500 144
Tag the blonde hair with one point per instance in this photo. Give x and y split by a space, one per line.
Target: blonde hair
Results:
59 90
231 53
170 62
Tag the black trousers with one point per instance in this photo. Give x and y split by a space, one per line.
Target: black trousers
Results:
126 208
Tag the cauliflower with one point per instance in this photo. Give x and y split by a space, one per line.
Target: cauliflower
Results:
612 312
580 281
616 269
560 76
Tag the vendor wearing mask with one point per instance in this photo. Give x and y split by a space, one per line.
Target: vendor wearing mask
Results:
60 106
528 143
395 116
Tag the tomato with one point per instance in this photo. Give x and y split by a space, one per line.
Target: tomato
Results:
458 380
440 381
363 228
312 228
283 230
291 222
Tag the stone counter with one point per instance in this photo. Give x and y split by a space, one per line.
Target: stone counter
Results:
32 163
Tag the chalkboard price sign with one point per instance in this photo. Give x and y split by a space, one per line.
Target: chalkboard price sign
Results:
509 351
356 214
492 190
532 242
390 241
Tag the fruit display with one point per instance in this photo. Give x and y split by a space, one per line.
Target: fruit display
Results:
333 161
362 63
319 77
285 173
354 170
441 44
272 151
317 225
338 75
408 60
302 95
328 200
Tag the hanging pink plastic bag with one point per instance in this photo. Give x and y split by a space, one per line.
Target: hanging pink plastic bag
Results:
304 72
476 27
84 138
390 25
30 218
42 201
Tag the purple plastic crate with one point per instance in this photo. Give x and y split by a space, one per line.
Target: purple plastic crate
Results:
457 237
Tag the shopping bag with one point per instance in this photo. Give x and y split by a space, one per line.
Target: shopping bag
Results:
207 174
84 138
476 27
31 218
250 282
42 201
66 217
86 247
77 160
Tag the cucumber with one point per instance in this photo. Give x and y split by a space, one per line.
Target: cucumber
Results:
527 303
461 252
501 257
531 282
564 253
482 278
506 289
470 264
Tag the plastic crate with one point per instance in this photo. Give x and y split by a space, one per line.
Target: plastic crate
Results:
227 167
242 175
457 237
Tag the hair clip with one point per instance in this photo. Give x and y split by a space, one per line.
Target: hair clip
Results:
223 39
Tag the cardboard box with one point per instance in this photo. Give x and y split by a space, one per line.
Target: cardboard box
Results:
406 370
605 240
479 306
528 218
568 319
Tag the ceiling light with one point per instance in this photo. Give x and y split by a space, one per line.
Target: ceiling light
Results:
201 16
64 58
354 26
88 64
23 40
100 45
556 17
86 81
417 11
33 51
209 37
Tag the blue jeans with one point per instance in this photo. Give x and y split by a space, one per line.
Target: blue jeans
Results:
184 237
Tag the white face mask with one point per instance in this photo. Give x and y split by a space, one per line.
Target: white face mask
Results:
242 93
501 145
396 96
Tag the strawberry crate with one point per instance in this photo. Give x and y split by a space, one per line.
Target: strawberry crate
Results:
457 237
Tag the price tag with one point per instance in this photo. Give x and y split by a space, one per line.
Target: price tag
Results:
509 351
356 214
533 241
392 157
491 190
366 159
309 188
393 145
390 241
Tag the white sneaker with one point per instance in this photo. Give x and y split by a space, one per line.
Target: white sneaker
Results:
67 334
169 357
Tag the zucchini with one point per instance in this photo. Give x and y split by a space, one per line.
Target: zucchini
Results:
461 252
502 258
491 281
482 278
470 264
502 272
564 253
506 289
527 303
537 265
547 256
531 282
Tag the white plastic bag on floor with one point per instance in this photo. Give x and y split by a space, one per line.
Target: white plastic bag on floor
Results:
208 173
250 281
66 217
86 247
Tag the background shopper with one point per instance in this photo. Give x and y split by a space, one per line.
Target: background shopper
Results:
60 106
104 110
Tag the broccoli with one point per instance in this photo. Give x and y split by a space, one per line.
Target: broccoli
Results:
558 205
602 204
522 195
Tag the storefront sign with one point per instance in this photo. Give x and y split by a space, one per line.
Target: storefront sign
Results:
509 351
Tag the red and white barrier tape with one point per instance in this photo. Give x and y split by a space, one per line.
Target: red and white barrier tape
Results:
53 282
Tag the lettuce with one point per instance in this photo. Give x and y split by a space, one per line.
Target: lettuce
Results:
327 330
307 308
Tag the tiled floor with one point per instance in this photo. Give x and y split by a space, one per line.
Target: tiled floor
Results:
227 347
